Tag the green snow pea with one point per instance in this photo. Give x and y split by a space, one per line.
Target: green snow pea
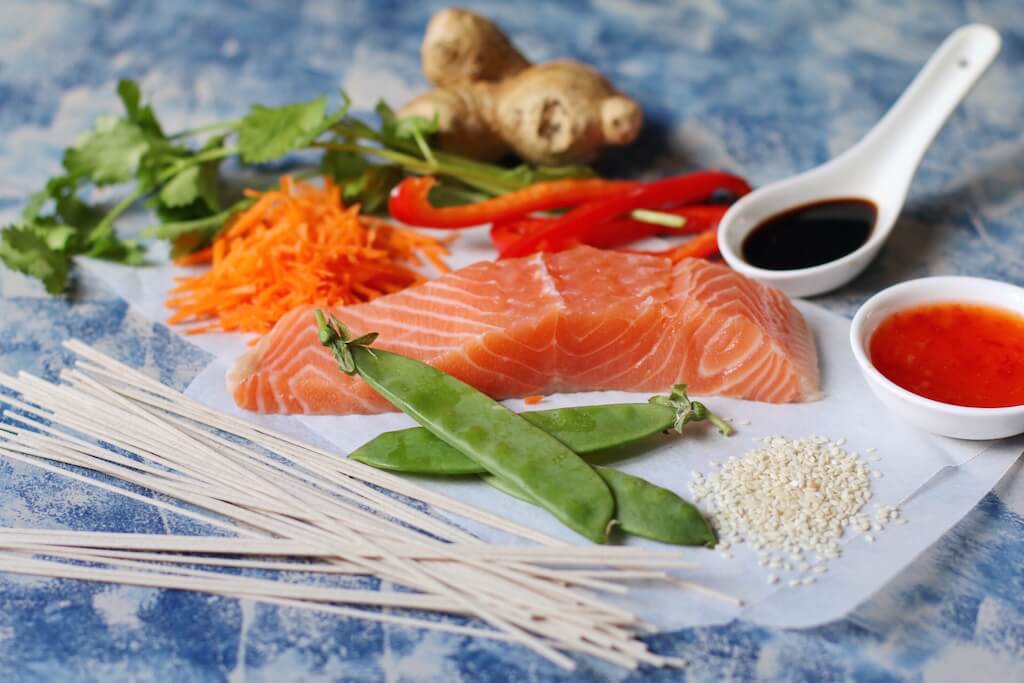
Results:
587 429
641 508
480 428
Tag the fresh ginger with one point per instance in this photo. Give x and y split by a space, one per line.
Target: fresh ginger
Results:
489 99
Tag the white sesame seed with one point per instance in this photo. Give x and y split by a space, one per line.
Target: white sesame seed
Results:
869 538
807 580
793 583
819 569
876 474
789 496
871 450
773 579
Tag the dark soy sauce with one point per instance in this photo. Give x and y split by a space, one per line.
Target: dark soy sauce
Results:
810 235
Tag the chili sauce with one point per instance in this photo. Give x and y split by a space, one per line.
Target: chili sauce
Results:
959 353
810 235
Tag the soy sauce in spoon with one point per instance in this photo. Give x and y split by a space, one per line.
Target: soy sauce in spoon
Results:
811 234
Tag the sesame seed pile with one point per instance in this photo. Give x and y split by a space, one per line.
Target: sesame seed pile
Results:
790 499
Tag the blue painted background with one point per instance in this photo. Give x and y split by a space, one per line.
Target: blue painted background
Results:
766 89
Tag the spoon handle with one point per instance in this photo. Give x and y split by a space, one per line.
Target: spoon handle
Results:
896 144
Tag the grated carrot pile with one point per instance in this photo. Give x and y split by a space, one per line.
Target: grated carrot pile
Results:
297 246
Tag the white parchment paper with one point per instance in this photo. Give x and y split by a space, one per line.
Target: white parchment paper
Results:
935 480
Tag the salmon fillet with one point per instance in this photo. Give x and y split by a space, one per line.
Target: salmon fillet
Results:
579 320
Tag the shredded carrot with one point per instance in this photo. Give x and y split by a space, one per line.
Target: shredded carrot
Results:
295 246
195 258
533 400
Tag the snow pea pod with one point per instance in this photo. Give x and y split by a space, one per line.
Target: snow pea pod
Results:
641 508
482 429
587 429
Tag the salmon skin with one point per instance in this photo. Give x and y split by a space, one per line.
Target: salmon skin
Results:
578 320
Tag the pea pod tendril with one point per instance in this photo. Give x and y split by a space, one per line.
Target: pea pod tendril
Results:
688 410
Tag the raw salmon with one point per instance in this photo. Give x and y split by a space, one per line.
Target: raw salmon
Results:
578 320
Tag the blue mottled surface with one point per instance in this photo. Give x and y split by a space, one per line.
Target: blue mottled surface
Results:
767 89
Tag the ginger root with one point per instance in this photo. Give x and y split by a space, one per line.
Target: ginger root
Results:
490 100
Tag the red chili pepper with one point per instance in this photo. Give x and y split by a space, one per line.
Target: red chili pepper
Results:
574 225
410 204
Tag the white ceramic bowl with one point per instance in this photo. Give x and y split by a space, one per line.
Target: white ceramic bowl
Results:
940 418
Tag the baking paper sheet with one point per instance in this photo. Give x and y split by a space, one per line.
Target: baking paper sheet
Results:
935 480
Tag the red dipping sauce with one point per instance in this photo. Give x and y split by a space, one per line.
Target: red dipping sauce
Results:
964 354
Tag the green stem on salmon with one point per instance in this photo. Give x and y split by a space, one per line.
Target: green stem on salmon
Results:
641 508
480 428
587 429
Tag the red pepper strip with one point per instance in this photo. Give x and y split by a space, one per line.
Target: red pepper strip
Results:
604 236
573 226
699 217
508 232
410 204
704 245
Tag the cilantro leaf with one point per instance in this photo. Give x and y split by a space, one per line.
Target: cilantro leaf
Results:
69 209
141 116
110 247
59 237
372 188
182 189
343 166
26 248
158 159
35 204
109 154
194 210
407 128
268 133
209 181
113 151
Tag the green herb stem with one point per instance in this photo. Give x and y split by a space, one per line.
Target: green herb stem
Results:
105 226
217 220
482 181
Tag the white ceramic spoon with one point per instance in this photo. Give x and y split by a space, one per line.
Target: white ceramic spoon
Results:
879 168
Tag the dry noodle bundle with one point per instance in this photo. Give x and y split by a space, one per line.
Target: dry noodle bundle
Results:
291 508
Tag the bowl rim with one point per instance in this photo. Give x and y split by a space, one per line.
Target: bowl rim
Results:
857 340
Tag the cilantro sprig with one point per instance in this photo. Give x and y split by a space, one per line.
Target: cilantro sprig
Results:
178 176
